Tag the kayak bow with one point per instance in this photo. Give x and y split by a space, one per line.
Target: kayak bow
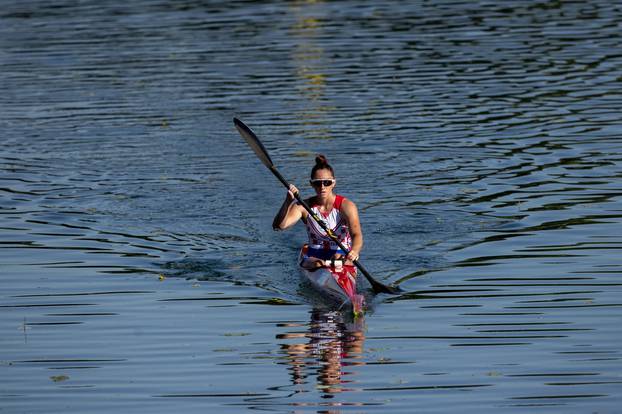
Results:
336 281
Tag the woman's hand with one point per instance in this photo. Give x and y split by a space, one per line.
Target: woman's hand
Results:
291 192
289 213
353 255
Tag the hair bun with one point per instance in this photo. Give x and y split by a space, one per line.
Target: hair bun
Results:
321 163
321 160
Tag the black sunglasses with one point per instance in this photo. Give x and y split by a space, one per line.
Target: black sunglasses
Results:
325 183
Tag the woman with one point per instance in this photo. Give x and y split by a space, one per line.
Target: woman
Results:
339 214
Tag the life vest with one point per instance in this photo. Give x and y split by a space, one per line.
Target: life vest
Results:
335 221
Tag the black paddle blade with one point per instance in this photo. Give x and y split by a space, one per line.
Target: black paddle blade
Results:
376 286
379 287
252 140
391 290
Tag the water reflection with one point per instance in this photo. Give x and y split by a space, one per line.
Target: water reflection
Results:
330 349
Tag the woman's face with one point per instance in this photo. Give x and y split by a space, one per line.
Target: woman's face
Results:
319 181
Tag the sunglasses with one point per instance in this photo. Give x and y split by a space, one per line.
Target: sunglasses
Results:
325 183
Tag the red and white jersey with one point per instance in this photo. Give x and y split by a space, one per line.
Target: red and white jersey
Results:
335 220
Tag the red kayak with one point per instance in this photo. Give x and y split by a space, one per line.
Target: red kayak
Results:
335 280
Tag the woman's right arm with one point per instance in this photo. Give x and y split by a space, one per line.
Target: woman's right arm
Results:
289 213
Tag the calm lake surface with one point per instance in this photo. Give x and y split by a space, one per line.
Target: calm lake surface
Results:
481 140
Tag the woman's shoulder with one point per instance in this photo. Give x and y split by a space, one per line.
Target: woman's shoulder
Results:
342 202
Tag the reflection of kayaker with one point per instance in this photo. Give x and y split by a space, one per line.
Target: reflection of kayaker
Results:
331 348
341 219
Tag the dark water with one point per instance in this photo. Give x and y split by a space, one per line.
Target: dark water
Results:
480 140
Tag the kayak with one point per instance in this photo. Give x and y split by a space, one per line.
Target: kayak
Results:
335 280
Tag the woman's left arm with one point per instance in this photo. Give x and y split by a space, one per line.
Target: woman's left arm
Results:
348 208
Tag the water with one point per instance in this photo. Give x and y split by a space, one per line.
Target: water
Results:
481 142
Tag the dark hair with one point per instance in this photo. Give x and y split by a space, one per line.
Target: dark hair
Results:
321 163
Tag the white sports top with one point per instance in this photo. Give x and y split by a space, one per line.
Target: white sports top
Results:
335 221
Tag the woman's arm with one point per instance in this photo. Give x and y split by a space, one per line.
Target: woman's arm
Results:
349 210
289 213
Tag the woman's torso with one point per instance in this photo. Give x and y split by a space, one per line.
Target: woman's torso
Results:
335 220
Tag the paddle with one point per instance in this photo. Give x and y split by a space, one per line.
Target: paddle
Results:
252 140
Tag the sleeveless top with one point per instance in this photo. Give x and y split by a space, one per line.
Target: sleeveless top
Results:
335 221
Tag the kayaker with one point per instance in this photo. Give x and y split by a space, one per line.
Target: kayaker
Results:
339 213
